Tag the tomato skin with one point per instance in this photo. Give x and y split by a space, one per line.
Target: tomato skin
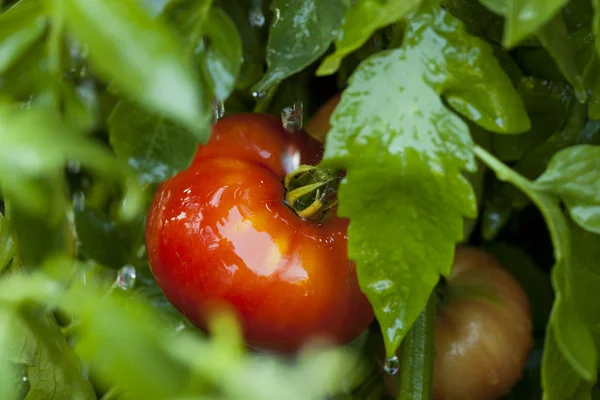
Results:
483 331
219 233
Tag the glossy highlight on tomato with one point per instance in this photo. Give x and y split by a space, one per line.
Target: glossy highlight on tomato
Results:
220 233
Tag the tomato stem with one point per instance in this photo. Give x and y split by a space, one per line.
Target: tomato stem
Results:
416 356
310 191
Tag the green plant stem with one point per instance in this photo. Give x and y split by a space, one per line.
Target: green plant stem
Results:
416 357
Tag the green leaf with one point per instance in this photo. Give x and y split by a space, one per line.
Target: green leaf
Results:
523 17
548 104
253 44
594 104
21 26
28 77
301 31
156 7
555 39
534 163
7 243
56 371
101 239
155 147
399 131
119 340
361 20
559 380
478 19
211 41
581 281
574 175
222 59
140 57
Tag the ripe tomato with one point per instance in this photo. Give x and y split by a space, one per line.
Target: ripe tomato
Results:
220 233
483 331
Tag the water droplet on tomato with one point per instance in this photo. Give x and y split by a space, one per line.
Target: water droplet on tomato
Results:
255 15
218 110
126 277
78 201
391 365
291 117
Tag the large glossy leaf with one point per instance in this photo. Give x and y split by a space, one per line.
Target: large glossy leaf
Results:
124 41
20 26
301 31
391 124
360 21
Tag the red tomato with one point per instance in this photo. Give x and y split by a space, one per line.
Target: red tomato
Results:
220 233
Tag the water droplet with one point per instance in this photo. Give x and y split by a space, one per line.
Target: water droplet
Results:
141 251
291 117
78 201
126 277
218 110
25 379
74 167
391 365
276 17
255 15
258 95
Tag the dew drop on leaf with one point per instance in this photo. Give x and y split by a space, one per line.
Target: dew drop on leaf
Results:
218 110
258 95
25 379
255 15
126 277
78 201
74 167
276 17
291 117
391 365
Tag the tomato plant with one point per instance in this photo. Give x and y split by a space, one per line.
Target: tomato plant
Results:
221 232
194 191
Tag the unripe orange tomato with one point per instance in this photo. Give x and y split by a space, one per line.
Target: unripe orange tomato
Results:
483 331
